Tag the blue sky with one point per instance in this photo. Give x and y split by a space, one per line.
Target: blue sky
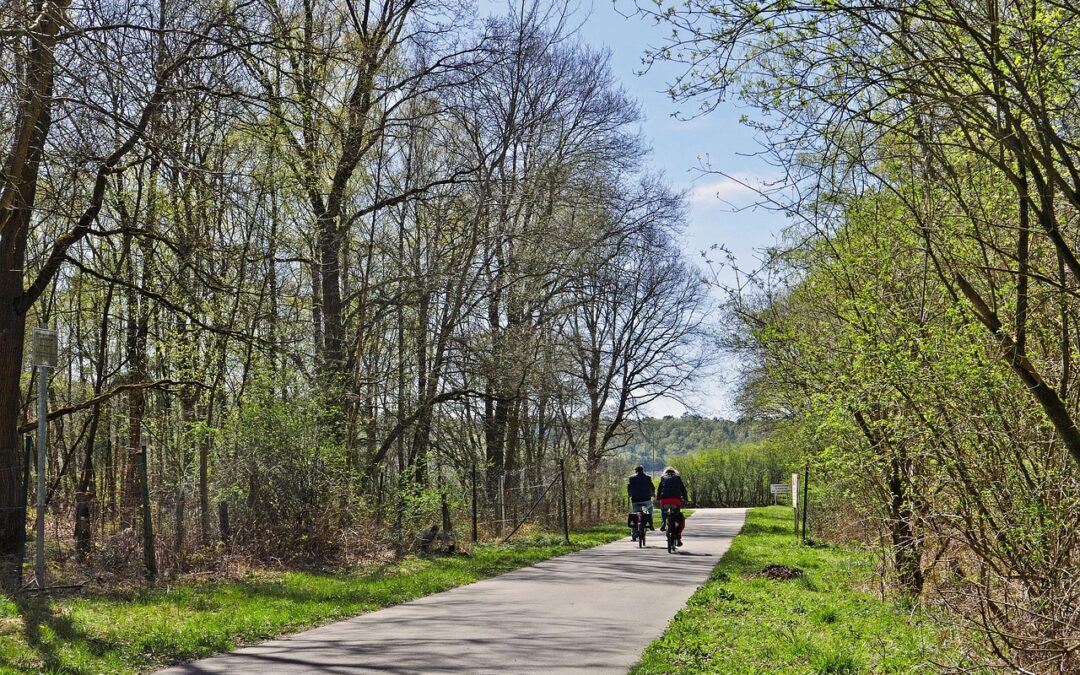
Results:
718 212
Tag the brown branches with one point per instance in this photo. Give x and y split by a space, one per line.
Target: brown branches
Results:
103 397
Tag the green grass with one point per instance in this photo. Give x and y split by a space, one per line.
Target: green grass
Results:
137 632
827 621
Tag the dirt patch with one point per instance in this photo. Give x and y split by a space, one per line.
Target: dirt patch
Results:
779 572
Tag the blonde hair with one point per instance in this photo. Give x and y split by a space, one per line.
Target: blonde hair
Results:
671 469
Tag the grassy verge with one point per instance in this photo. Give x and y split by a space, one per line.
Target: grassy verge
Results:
140 631
826 621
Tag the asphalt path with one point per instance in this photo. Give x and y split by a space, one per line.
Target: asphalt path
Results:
592 611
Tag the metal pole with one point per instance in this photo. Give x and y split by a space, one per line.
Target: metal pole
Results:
565 512
42 430
148 526
28 448
474 532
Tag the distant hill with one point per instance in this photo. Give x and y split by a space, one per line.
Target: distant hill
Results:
654 441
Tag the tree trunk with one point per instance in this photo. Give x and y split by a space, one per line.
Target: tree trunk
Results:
84 495
906 554
204 491
496 416
333 360
11 351
905 548
136 357
19 182
425 390
181 503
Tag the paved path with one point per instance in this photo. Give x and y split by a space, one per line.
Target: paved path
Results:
593 611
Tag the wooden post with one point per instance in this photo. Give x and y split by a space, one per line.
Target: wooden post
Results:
795 500
149 556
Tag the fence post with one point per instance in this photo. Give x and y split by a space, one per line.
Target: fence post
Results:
474 517
565 514
148 525
805 498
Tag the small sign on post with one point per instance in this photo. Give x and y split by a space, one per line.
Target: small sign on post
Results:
46 346
776 489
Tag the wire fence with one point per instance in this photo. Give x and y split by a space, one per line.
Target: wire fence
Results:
145 522
508 498
545 498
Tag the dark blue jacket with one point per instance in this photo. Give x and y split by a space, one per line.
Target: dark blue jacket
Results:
640 487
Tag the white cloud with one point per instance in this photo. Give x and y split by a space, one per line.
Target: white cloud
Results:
727 189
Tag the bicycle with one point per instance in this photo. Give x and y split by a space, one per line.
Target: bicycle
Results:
672 534
640 522
671 525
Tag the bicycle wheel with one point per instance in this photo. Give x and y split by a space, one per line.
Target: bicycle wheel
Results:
672 537
641 535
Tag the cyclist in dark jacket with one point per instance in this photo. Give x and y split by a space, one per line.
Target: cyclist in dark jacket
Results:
672 494
640 490
672 486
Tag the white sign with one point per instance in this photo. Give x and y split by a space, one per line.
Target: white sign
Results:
779 488
795 490
45 347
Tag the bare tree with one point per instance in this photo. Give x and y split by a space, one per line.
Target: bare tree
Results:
636 332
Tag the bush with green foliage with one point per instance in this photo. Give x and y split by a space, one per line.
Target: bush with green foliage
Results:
735 476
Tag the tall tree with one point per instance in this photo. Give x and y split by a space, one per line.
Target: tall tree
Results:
71 65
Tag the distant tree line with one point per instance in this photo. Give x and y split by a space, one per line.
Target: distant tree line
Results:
723 463
654 442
